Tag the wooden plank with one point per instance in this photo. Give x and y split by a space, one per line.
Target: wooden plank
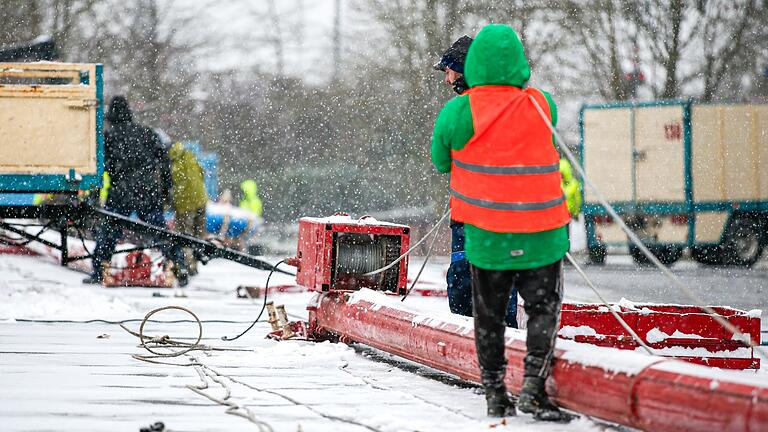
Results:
660 165
611 233
608 153
707 153
740 156
761 141
710 226
47 66
73 76
672 233
25 91
51 70
45 136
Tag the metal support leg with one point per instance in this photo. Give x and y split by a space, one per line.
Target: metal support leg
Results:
64 246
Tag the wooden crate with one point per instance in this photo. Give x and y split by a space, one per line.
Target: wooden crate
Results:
48 127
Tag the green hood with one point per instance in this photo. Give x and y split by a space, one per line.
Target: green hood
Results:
496 57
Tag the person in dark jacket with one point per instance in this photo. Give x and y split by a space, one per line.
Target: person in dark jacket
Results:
458 277
140 178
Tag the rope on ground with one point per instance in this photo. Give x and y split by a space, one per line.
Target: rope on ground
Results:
610 307
294 401
634 239
166 339
232 407
408 252
206 371
166 342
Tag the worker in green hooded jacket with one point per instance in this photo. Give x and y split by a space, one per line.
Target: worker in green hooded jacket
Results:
506 188
251 200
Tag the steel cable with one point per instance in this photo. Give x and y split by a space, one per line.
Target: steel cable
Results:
408 252
634 239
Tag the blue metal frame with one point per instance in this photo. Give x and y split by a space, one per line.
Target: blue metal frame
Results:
58 182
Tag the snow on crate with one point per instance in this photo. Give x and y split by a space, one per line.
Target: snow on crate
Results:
346 219
681 331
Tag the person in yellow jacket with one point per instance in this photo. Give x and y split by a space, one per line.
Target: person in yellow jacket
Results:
571 188
251 200
189 199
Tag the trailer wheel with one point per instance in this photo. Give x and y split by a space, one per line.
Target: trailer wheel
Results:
597 255
708 255
666 254
742 246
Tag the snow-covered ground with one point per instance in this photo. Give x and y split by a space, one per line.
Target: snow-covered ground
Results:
81 376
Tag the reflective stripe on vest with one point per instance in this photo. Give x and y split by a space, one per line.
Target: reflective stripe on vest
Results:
492 169
507 177
516 206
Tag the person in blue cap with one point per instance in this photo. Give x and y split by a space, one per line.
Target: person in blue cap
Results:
459 278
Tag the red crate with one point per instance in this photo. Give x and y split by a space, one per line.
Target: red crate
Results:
702 333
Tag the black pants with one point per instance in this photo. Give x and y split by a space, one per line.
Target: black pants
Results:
459 280
542 290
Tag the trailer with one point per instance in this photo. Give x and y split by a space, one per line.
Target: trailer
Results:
682 175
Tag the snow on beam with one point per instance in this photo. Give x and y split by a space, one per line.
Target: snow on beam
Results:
633 389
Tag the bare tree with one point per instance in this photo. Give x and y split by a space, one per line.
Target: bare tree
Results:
731 33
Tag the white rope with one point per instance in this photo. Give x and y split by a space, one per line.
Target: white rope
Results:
610 307
634 239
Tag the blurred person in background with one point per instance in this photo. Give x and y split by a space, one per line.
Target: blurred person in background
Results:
189 201
251 200
140 180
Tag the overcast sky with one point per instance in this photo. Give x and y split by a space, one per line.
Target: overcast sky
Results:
241 29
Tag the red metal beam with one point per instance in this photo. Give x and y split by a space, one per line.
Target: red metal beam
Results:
636 390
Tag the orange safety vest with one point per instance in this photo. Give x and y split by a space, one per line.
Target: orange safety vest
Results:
507 178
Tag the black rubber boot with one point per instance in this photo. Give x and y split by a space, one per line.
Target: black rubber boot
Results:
498 400
534 400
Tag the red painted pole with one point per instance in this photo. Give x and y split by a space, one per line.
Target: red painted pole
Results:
633 389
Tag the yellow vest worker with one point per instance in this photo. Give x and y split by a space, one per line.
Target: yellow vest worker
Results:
251 200
571 188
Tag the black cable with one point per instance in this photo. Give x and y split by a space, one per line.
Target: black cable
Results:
12 242
263 306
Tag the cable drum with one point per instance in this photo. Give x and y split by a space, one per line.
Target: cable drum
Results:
360 258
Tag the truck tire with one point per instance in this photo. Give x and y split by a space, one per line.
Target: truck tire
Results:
666 254
743 243
708 255
597 255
